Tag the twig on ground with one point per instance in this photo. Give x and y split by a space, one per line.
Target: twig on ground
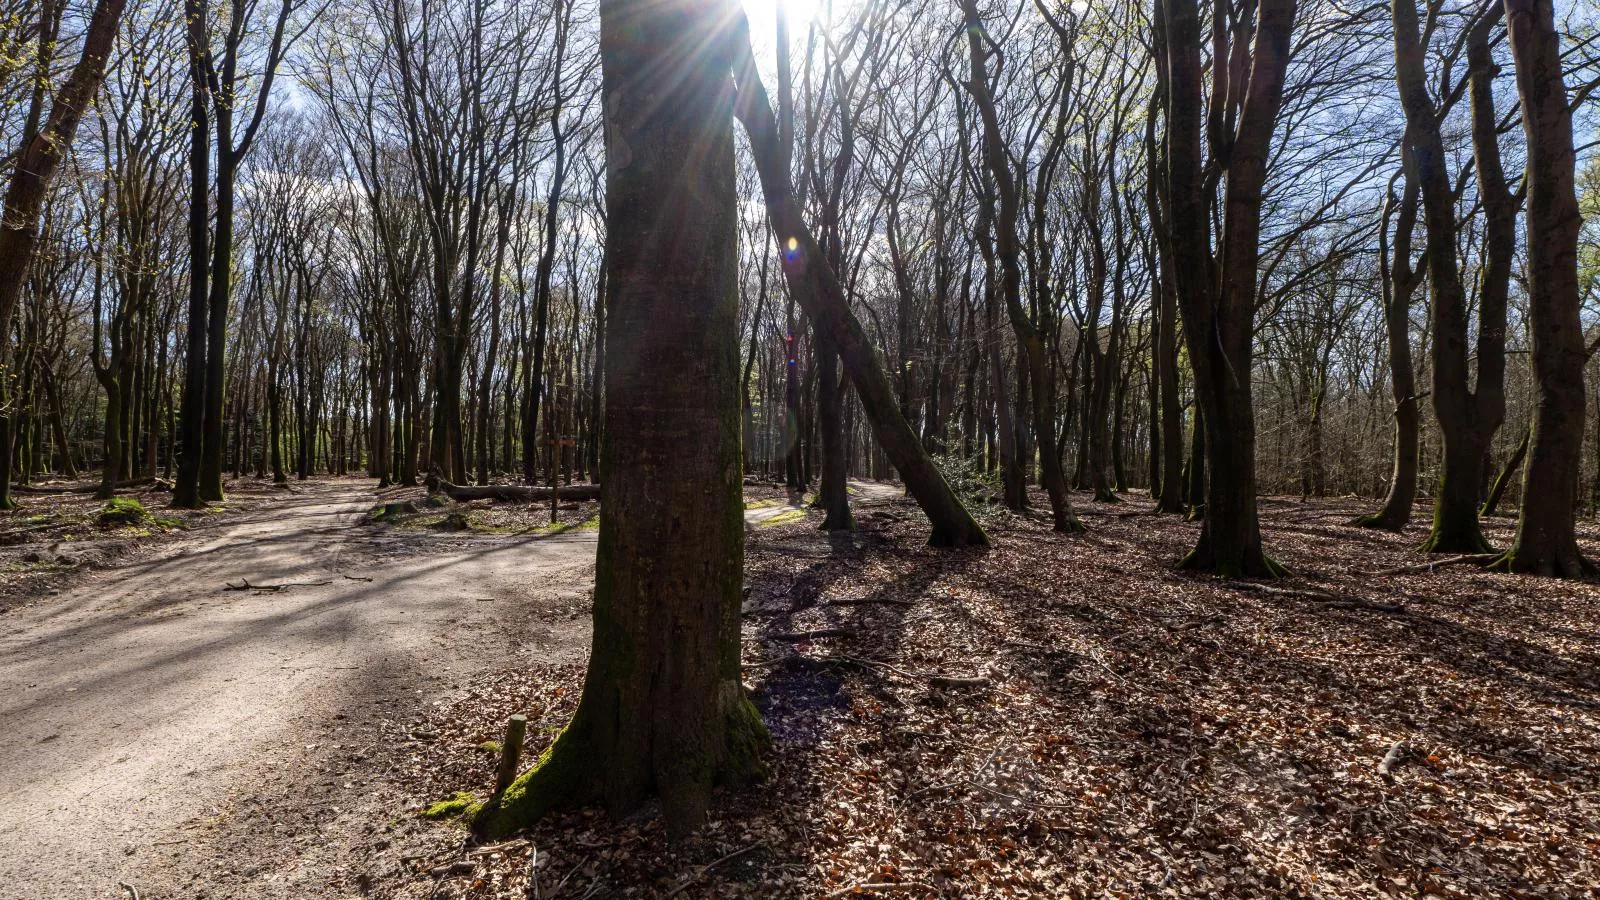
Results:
795 637
701 872
868 601
355 577
958 681
245 585
881 886
133 892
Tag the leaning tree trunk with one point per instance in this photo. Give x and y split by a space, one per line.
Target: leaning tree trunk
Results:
35 166
817 289
1503 480
663 710
1546 542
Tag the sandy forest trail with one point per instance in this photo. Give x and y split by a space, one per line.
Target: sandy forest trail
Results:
147 710
195 741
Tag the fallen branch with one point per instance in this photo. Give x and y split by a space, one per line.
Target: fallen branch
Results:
245 585
881 886
1394 759
516 493
78 488
795 637
5 536
957 681
499 848
867 601
1430 565
1317 596
701 872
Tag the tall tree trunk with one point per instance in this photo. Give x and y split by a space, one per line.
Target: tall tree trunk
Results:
1217 296
1546 542
1466 418
832 494
1399 282
663 710
186 488
212 430
1030 341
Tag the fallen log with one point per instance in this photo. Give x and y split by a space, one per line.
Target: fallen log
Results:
87 488
516 493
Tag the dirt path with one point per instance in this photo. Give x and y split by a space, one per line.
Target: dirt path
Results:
148 712
194 741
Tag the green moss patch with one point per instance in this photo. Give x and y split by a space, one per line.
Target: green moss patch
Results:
449 809
122 511
788 515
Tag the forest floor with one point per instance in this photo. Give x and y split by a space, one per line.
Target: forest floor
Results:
1056 716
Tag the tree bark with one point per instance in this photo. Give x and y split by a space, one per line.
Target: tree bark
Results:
1217 296
1399 282
1546 541
34 168
663 710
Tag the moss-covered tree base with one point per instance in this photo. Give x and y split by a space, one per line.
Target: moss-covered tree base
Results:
575 771
1566 562
1250 563
1459 539
1383 519
845 521
1070 525
952 538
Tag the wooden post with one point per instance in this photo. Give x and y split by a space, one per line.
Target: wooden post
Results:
510 753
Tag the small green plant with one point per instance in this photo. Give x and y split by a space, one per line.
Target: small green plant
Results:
978 489
120 511
391 512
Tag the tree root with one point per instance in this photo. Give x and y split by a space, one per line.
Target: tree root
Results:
1429 566
1317 596
1569 564
1381 520
1439 542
